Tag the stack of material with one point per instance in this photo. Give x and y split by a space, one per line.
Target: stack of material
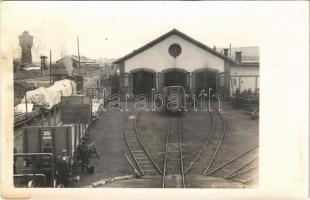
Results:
48 97
39 97
63 86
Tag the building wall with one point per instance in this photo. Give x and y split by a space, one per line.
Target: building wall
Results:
244 70
158 58
244 82
191 58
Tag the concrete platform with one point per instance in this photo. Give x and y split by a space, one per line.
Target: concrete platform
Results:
199 181
196 181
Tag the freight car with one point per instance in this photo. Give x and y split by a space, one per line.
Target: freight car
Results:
47 98
42 100
174 99
36 165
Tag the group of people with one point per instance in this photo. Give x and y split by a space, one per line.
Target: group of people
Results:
246 92
64 163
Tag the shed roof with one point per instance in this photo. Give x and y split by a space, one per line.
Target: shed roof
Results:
166 35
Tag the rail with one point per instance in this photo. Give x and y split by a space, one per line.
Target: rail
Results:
165 158
246 164
235 158
203 147
142 151
220 142
181 153
143 147
214 140
126 140
181 171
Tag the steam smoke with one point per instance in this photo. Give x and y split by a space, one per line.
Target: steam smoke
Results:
68 64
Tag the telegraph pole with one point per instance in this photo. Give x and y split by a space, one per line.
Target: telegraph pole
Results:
41 66
50 67
78 46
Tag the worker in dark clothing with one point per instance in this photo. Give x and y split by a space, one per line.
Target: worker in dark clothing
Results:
237 92
249 92
63 169
83 153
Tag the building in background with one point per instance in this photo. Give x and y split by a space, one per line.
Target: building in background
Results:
26 42
69 63
177 59
244 75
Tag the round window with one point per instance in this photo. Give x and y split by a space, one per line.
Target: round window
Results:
175 50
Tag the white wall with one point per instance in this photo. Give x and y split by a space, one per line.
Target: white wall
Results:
244 70
246 82
158 58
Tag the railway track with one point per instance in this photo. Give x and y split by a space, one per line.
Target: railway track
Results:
241 168
205 157
139 153
37 117
173 172
24 119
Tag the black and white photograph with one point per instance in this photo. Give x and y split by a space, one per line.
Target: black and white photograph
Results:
137 94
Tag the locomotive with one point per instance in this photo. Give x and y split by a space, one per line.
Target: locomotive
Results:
174 99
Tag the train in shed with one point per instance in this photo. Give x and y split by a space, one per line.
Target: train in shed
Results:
174 99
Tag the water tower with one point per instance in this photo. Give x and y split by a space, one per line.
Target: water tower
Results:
26 41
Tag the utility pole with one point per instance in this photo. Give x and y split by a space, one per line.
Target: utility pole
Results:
230 50
41 66
78 46
50 67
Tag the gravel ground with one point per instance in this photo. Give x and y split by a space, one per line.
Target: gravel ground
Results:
241 134
107 131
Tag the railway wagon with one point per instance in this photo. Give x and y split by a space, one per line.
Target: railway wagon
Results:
174 99
36 165
50 139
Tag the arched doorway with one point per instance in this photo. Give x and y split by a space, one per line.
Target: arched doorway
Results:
143 81
175 77
205 79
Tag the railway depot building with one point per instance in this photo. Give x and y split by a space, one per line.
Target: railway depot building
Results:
177 59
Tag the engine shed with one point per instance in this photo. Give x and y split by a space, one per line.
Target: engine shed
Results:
177 59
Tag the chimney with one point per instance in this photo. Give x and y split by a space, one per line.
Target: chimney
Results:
225 52
238 56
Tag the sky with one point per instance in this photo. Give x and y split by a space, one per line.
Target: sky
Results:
114 29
